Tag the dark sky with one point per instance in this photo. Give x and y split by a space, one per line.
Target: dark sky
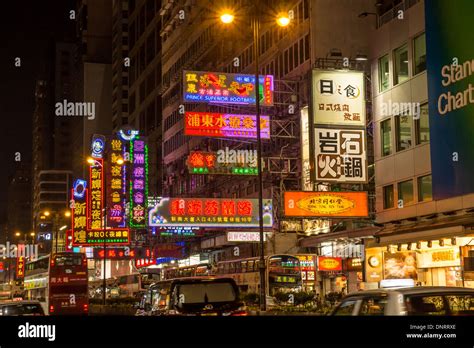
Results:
25 28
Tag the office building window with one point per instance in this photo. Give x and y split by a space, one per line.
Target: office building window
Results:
422 126
419 54
385 130
388 197
403 128
401 65
405 192
383 73
425 188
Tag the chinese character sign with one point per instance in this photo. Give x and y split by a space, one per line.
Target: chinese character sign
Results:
96 194
114 236
138 182
326 204
341 155
218 212
223 88
20 268
225 125
226 161
339 98
79 218
116 184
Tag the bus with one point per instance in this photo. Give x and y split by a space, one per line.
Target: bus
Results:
203 269
59 282
134 285
283 273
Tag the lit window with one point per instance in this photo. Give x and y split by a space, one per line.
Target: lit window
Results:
405 192
419 53
425 188
383 73
401 65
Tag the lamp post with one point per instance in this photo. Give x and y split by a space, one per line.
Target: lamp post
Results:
282 20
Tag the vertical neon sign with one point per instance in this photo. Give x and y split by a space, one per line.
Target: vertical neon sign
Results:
96 196
138 182
116 196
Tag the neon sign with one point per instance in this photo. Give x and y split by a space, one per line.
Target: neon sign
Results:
224 88
98 146
238 162
117 236
138 182
96 195
207 212
79 219
225 125
116 185
79 188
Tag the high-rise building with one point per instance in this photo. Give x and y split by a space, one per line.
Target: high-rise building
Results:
19 203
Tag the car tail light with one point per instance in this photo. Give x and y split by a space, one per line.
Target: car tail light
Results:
86 307
52 262
239 314
51 309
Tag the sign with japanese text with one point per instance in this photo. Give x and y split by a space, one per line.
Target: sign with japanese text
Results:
210 212
219 125
20 267
226 161
329 263
79 218
339 98
116 184
138 182
341 155
96 194
326 204
224 88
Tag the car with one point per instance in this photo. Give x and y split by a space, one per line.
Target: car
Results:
204 296
420 300
21 308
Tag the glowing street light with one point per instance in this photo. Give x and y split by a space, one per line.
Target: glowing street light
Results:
46 213
227 18
67 214
17 234
283 20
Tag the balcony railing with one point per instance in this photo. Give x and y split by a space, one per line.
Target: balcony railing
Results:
394 12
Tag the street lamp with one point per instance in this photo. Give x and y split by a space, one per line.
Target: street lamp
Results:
283 20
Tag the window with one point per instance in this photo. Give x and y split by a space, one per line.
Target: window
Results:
422 126
383 73
373 306
424 188
346 308
419 54
461 304
426 305
405 192
388 197
403 127
385 129
401 65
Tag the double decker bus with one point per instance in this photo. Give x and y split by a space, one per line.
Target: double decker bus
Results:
283 273
59 282
203 269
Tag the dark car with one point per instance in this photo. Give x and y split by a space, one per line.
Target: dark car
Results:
21 308
204 296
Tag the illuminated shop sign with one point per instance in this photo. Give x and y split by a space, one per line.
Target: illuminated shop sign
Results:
178 231
341 155
20 267
97 146
207 212
244 237
339 98
326 204
224 88
219 125
117 186
117 236
138 182
79 188
96 194
79 219
329 263
168 250
227 161
114 253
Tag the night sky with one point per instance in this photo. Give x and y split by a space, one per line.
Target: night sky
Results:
25 28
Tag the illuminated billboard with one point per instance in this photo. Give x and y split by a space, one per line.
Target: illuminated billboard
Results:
339 98
326 204
209 212
79 218
138 182
116 184
96 195
224 88
226 161
208 124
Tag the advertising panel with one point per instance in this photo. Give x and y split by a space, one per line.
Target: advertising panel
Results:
96 194
341 155
114 253
224 88
209 212
79 217
329 263
211 124
445 257
244 236
308 266
373 265
116 184
326 204
305 151
138 182
20 267
450 70
225 161
400 265
339 98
